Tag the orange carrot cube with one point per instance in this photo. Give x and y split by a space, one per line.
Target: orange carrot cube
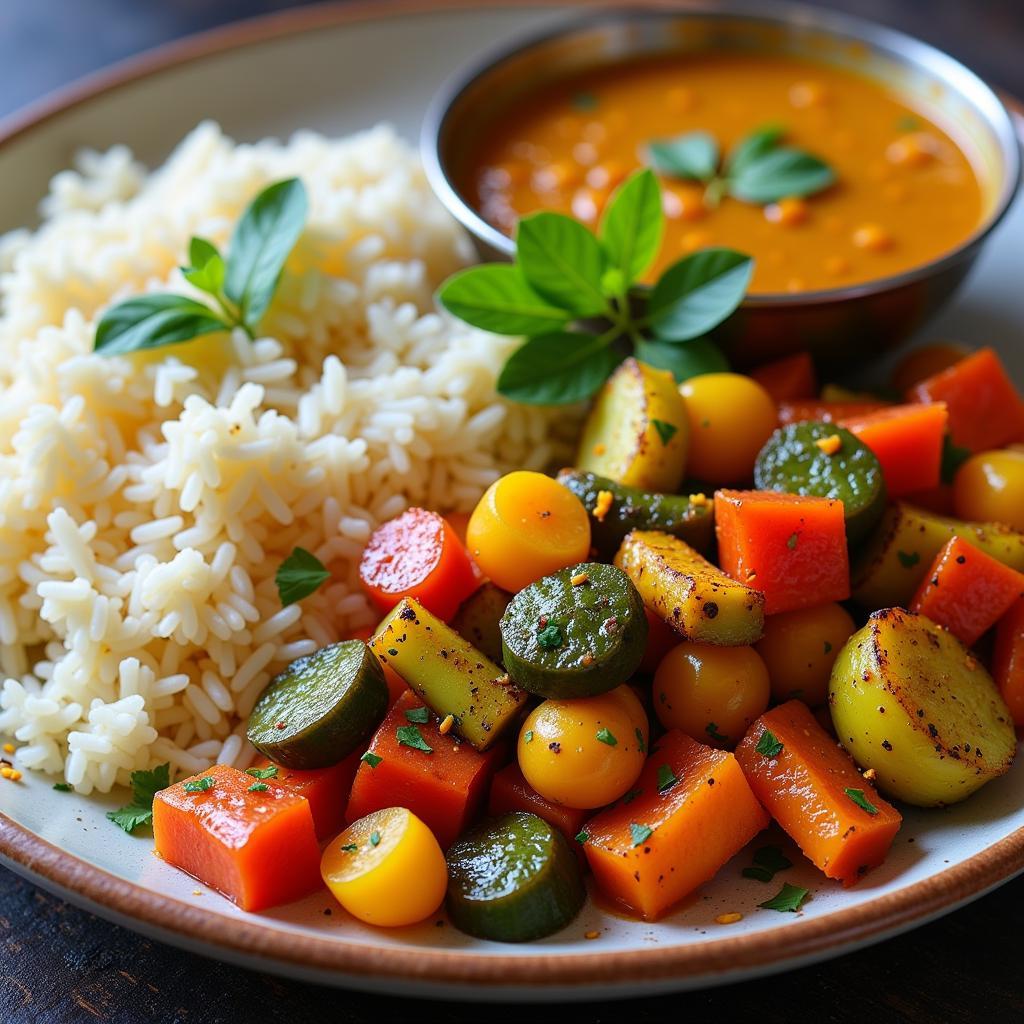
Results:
789 379
1008 660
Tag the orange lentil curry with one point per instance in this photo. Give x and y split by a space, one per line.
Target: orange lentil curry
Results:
904 191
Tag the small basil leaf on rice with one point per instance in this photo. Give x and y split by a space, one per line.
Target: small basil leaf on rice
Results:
697 293
206 271
152 321
496 297
562 261
557 369
260 245
299 575
632 226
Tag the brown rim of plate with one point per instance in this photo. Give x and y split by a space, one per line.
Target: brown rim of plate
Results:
805 938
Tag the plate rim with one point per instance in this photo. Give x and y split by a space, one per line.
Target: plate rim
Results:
807 939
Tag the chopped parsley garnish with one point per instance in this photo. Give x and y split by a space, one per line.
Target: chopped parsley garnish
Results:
666 778
605 736
631 796
299 575
769 744
712 730
421 715
792 542
349 848
828 647
375 838
528 736
666 431
62 787
199 785
908 561
858 797
258 787
145 786
371 759
550 636
270 772
410 736
768 860
787 899
640 833
641 743
582 836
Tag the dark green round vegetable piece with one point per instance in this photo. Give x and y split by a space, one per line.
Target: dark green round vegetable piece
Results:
576 633
513 879
634 509
321 707
791 463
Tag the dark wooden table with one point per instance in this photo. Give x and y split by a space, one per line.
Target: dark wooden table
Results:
59 964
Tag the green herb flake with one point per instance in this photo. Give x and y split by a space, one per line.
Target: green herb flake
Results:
62 787
410 736
769 745
640 833
420 715
768 861
270 772
584 102
528 736
666 431
145 786
349 848
787 900
828 647
375 838
908 123
666 778
258 787
631 796
712 730
792 542
371 759
582 836
641 743
299 575
199 785
953 457
550 636
908 561
605 736
858 797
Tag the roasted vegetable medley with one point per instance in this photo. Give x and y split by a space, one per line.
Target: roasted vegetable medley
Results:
747 602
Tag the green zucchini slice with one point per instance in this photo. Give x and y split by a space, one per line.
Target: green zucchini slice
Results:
792 463
321 707
513 879
478 619
576 633
634 509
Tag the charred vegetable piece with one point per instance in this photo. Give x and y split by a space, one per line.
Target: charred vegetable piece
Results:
513 879
478 618
637 432
576 633
909 701
321 707
896 559
693 596
448 673
615 509
793 462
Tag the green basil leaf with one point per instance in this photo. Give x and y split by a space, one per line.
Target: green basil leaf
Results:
953 457
690 156
151 321
496 297
200 252
557 369
299 575
756 145
698 293
262 240
683 361
632 226
780 173
207 267
562 261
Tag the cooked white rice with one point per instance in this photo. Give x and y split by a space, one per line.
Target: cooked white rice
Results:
147 501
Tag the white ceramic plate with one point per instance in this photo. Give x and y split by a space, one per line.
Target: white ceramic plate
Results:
338 70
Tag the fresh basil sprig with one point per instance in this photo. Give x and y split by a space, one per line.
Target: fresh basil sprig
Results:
573 295
759 169
241 286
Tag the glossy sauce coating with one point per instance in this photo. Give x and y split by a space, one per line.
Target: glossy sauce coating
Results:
906 192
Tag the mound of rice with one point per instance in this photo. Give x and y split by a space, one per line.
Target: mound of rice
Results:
147 501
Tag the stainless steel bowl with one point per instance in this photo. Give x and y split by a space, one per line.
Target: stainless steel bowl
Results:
840 324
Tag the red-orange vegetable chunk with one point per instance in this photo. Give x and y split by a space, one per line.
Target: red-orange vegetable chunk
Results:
1008 660
788 380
